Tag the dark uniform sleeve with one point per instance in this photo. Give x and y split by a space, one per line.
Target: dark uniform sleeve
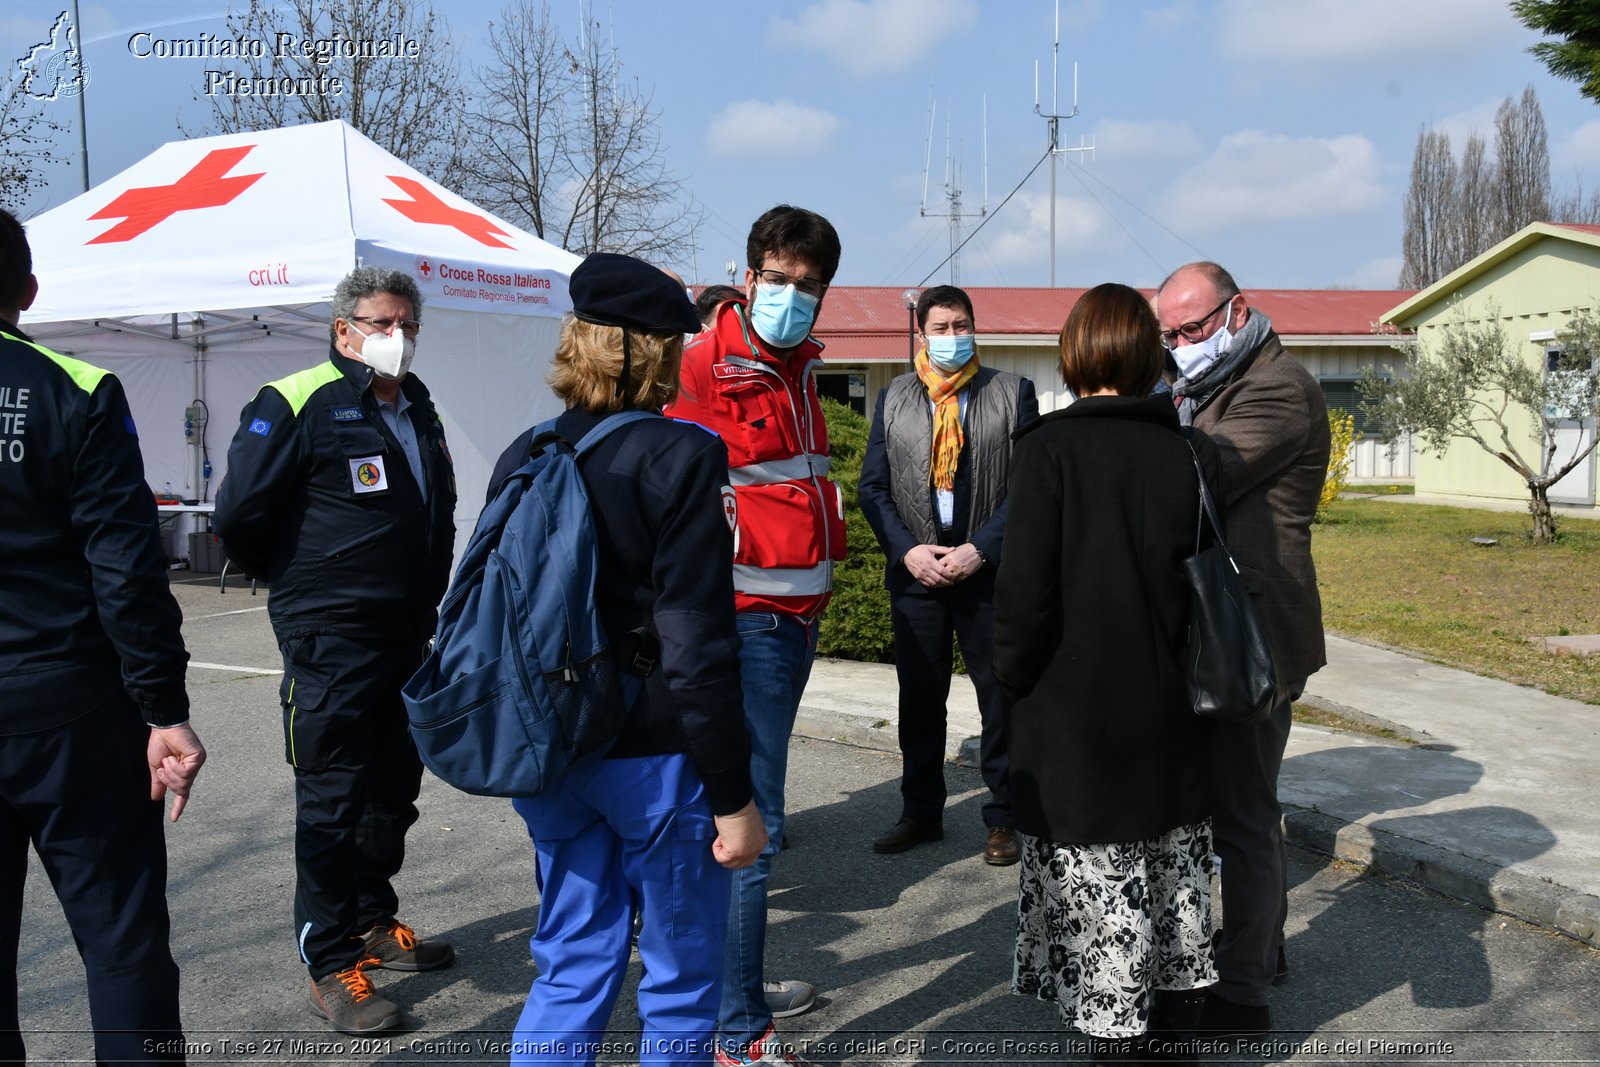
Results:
694 614
877 501
264 469
989 539
115 523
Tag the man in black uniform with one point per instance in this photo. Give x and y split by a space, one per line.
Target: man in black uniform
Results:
340 492
91 677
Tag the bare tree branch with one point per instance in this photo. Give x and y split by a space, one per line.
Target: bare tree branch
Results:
411 105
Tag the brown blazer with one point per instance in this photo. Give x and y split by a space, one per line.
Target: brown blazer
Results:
1270 426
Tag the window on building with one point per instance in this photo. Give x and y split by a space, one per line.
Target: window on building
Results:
847 387
1344 395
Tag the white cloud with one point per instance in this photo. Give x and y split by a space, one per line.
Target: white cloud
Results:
874 36
1377 273
1128 141
771 128
1256 177
1080 226
1578 152
1463 124
1174 16
1363 31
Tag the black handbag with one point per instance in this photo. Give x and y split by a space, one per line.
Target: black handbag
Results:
1226 660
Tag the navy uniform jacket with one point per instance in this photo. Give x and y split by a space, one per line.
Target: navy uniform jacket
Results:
659 493
320 501
84 601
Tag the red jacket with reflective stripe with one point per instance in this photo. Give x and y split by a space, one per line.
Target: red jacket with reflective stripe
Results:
765 409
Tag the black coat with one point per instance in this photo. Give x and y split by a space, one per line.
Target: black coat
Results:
1089 613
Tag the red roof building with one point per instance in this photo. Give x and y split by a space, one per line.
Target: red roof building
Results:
870 324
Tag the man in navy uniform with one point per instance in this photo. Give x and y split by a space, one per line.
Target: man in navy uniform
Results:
93 710
340 492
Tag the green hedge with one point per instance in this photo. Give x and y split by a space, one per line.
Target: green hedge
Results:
856 625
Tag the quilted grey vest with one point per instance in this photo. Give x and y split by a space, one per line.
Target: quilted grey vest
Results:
908 439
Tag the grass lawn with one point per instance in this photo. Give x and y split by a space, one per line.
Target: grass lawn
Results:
1408 575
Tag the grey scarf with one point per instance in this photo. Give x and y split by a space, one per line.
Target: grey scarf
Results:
1192 392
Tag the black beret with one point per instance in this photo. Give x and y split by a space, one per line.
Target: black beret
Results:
612 290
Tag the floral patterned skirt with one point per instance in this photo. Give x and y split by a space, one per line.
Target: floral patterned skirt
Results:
1099 927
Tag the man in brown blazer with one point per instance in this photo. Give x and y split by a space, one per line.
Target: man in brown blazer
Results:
1266 416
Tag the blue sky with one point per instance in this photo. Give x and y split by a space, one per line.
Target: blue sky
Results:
1272 135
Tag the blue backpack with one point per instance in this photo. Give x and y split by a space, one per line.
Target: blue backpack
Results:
521 684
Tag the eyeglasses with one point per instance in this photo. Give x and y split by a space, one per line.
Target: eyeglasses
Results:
809 286
1193 331
409 327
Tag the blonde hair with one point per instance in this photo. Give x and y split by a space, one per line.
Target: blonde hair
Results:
588 363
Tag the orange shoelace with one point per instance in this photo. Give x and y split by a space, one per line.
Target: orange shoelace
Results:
355 980
403 934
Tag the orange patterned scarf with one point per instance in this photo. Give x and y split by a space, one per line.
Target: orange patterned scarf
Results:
948 437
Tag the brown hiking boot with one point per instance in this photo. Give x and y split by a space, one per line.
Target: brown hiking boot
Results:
347 1000
394 947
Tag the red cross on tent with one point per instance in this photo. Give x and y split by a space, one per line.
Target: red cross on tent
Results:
424 206
203 186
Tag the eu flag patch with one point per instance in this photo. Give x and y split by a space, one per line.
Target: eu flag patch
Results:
127 422
260 426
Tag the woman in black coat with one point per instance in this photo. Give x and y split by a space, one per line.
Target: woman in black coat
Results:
1109 790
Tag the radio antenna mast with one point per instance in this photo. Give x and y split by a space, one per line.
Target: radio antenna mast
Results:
952 185
1053 122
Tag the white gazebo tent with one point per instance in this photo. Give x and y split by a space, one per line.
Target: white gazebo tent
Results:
205 270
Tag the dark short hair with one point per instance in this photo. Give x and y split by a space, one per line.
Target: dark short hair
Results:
1111 341
944 296
1221 281
793 231
711 297
16 260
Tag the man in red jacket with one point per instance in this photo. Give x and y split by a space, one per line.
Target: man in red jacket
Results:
749 378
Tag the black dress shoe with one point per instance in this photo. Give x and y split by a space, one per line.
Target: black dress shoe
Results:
1221 1017
906 834
1001 849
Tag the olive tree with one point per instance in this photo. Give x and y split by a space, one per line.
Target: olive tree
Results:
1468 384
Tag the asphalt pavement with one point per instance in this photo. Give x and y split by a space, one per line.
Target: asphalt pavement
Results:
912 952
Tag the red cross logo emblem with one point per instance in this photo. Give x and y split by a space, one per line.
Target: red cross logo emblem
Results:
424 206
204 186
424 269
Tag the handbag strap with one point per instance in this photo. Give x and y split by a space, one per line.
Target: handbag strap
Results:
1208 510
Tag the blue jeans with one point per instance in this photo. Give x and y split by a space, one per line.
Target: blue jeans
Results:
615 832
775 661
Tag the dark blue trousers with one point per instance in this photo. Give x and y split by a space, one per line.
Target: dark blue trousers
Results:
924 624
356 780
80 794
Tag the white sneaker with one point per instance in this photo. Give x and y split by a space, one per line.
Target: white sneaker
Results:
785 999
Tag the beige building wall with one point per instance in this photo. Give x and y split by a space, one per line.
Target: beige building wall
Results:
1531 294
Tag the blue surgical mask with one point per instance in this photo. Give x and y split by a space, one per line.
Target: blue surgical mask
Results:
782 315
950 351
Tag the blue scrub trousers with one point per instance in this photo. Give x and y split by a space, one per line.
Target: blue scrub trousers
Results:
616 832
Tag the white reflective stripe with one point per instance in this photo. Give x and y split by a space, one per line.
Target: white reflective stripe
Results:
783 581
305 932
773 472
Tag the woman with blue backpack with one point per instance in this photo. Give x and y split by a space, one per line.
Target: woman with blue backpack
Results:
658 823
